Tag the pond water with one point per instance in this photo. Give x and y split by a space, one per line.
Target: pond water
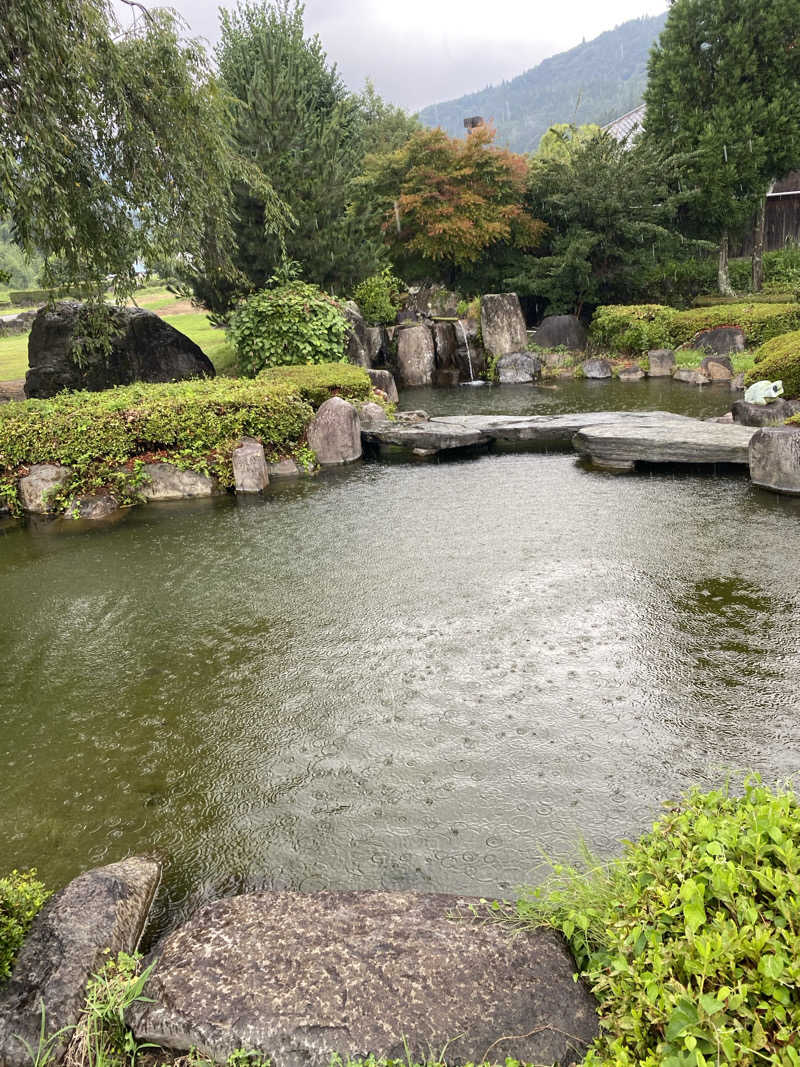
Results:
416 676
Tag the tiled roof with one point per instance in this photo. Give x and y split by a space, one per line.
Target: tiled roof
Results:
627 124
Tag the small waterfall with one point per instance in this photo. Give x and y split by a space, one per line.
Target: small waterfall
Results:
469 356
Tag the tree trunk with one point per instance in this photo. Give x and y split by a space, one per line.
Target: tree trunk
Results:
723 277
758 246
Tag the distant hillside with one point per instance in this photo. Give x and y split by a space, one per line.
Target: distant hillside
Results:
595 82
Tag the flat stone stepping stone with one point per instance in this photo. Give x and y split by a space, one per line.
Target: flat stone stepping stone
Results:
620 446
442 433
299 977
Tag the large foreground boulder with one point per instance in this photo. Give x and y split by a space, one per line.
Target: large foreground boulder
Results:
775 459
561 330
300 977
502 324
103 909
144 349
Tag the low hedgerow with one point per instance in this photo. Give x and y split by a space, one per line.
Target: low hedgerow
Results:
321 381
691 941
779 360
104 436
21 897
638 327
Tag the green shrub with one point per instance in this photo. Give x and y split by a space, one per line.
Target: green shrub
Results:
192 424
379 297
691 941
763 298
637 327
318 383
21 897
292 324
779 360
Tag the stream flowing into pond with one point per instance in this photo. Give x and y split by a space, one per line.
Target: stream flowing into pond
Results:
396 675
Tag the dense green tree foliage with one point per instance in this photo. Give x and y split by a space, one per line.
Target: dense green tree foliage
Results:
308 134
19 270
722 99
448 204
608 216
115 144
563 137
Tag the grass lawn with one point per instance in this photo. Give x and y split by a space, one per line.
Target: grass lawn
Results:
689 357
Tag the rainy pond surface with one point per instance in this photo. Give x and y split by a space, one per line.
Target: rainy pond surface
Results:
397 675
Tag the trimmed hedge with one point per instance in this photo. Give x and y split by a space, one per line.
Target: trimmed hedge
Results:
32 297
779 360
319 382
638 327
194 424
21 897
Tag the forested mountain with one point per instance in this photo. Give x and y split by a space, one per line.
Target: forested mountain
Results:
597 81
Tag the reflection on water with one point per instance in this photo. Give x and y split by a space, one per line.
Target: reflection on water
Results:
391 675
564 395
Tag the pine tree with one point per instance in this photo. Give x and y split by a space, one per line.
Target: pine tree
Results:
723 101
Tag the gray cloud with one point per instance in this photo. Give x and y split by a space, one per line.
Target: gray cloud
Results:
425 51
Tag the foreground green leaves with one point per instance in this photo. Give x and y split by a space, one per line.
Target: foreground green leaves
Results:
21 897
691 941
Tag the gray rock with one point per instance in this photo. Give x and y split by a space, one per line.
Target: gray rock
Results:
358 341
335 433
371 414
662 362
774 414
284 468
17 324
446 347
691 376
621 445
631 373
416 355
144 349
94 508
37 487
512 431
417 415
727 418
717 368
384 380
566 330
301 977
775 459
105 908
597 368
737 383
720 341
250 474
166 482
502 324
433 301
518 368
376 344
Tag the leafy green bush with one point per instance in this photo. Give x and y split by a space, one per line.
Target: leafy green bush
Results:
318 383
21 897
292 324
637 327
779 360
691 941
763 298
379 297
101 436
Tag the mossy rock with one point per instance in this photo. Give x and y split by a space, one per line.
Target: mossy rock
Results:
779 360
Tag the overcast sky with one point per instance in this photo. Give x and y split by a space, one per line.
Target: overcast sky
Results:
420 52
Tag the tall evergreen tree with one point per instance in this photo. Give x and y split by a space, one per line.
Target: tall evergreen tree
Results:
722 98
